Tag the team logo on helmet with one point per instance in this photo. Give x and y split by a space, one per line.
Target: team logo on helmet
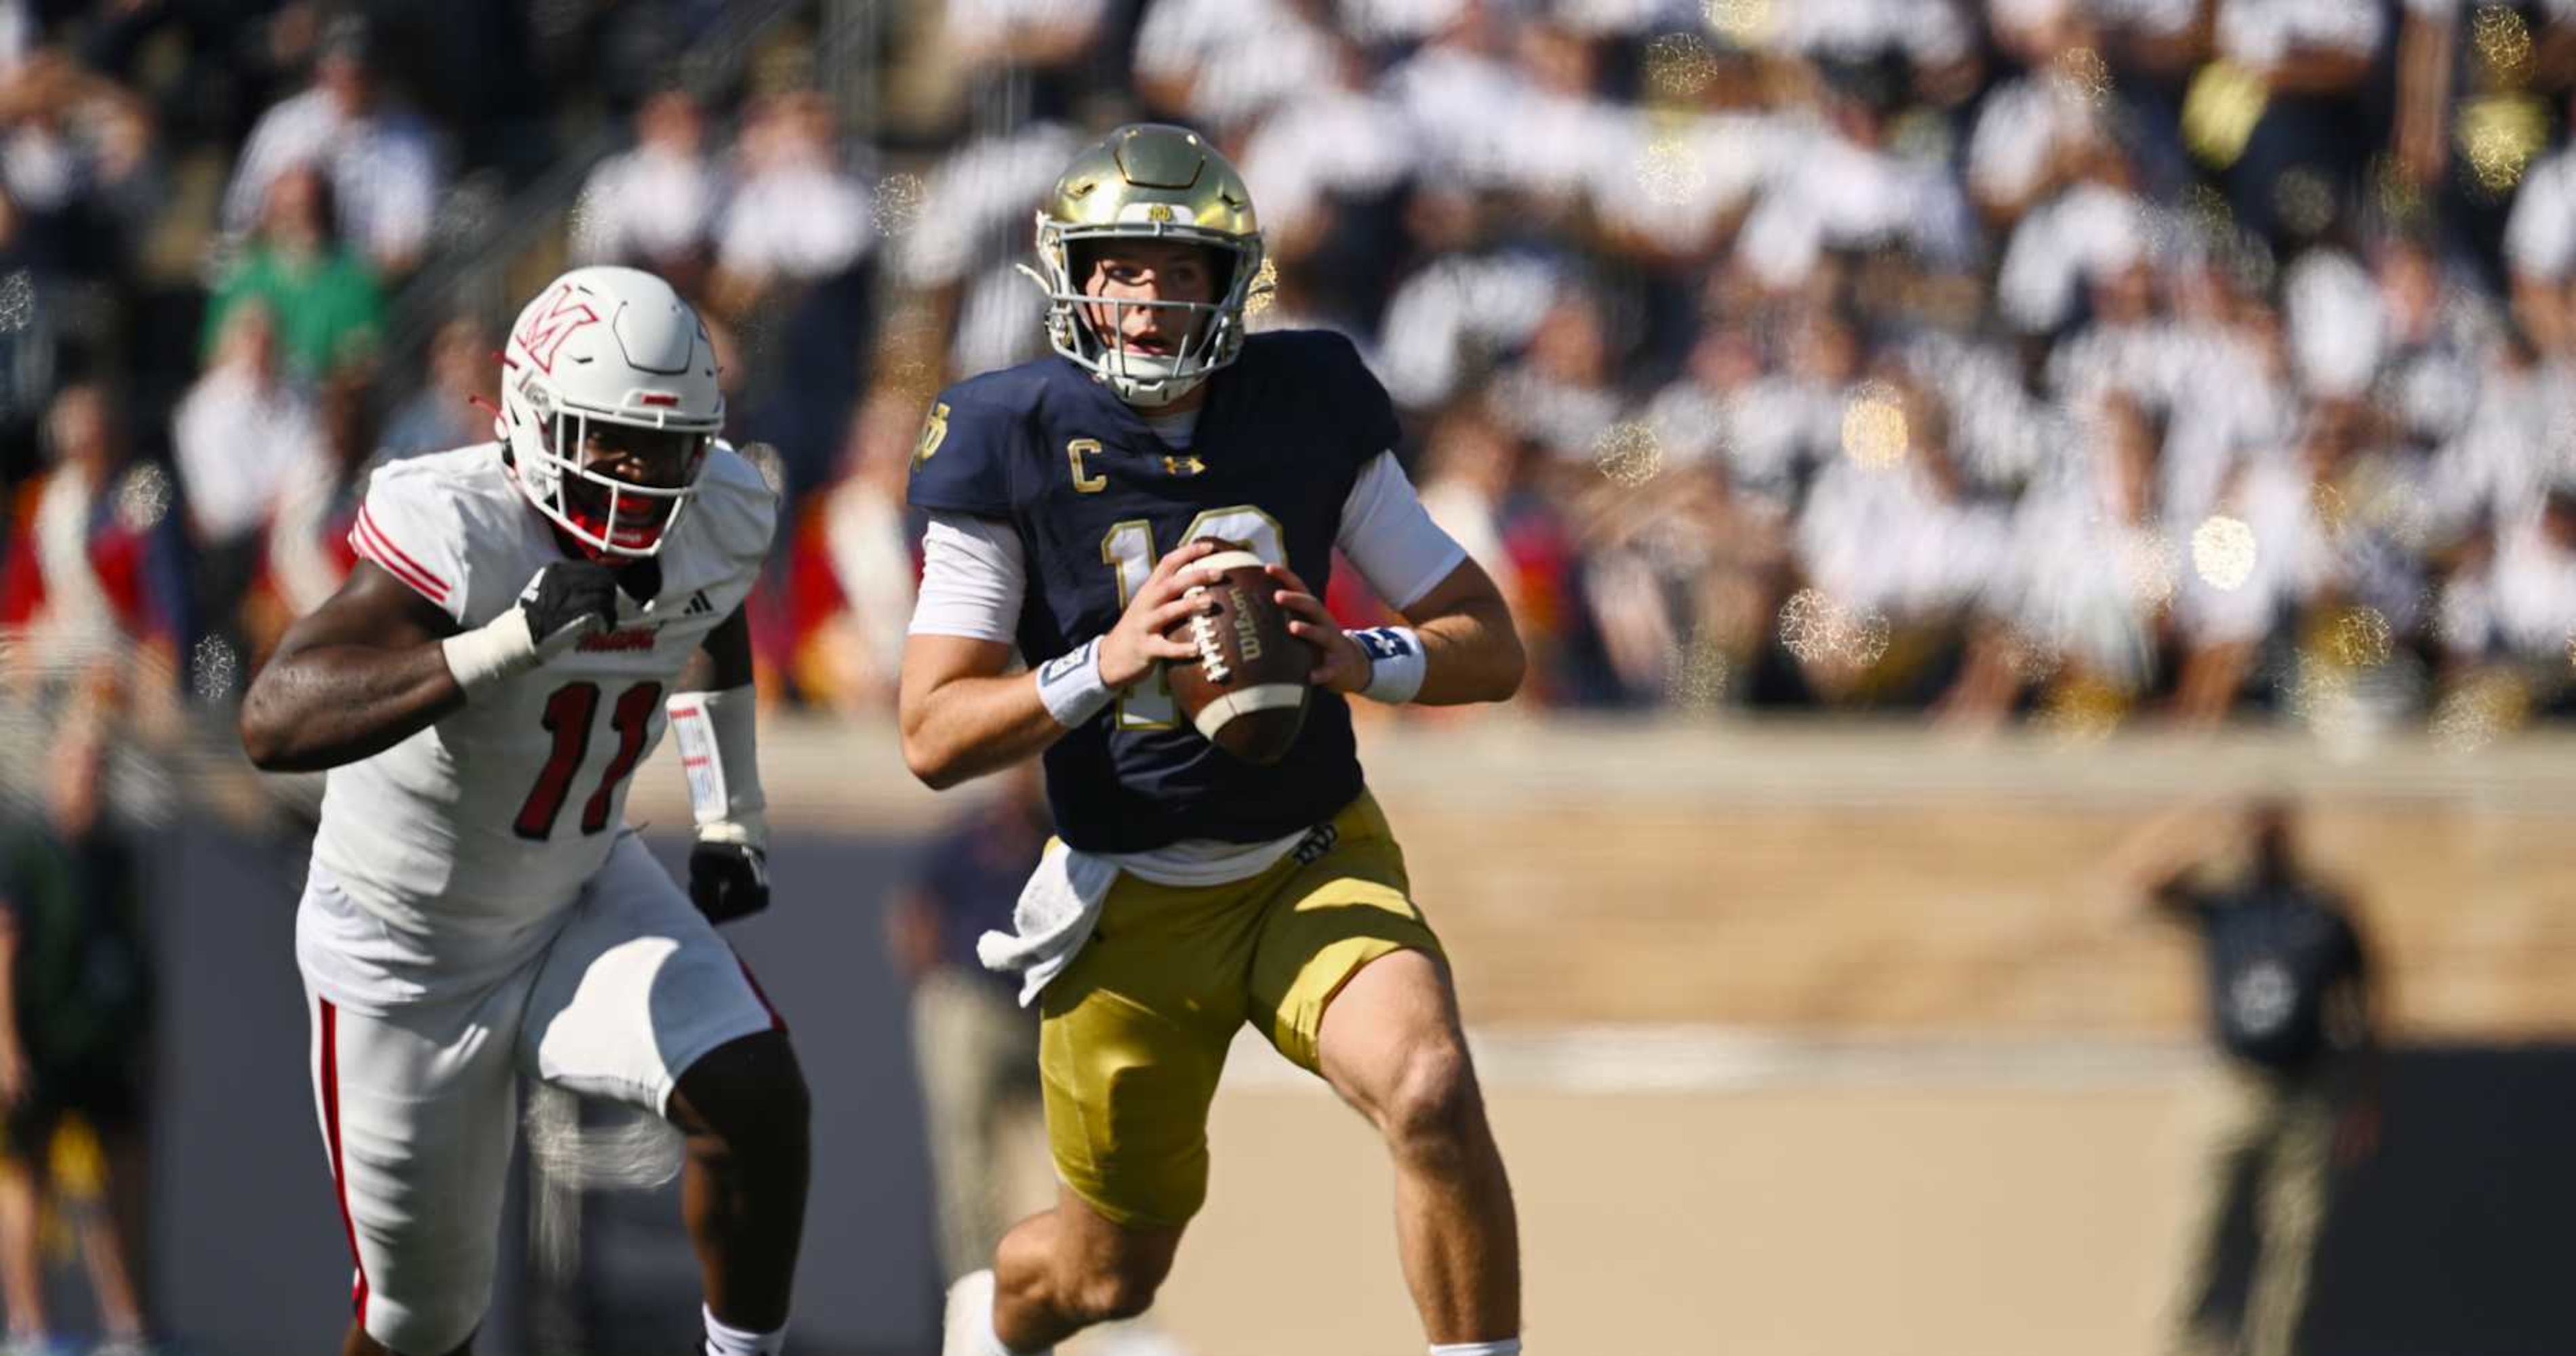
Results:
544 332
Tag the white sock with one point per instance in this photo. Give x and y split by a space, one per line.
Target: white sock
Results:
1509 1346
992 1341
970 1303
724 1340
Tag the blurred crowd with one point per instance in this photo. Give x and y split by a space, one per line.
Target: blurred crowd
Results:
2071 361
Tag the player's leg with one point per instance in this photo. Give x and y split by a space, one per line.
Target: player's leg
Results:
2290 1211
22 1282
84 1188
418 1109
1355 989
640 1002
1132 1038
127 1205
744 1108
1391 1046
2239 1143
949 1061
1056 1273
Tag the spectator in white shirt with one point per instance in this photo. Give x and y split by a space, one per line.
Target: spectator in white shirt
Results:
1561 396
76 153
308 551
2513 603
2267 555
1783 425
652 206
796 214
1461 308
2093 573
1221 64
1897 550
2540 249
382 162
975 210
240 437
240 433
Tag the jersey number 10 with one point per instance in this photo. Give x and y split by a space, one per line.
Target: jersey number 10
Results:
568 714
1129 549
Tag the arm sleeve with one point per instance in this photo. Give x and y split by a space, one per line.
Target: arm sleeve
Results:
973 577
1390 538
413 534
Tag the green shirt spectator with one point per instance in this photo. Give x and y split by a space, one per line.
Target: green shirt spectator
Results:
323 294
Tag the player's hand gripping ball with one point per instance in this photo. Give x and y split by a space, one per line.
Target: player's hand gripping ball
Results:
1248 688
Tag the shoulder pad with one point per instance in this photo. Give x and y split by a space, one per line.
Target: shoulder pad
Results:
738 507
969 440
1346 385
412 525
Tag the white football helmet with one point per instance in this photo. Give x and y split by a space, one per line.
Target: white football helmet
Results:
611 346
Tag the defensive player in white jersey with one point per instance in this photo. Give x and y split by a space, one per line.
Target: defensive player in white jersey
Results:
525 618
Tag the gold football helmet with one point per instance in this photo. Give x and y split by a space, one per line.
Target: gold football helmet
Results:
1149 181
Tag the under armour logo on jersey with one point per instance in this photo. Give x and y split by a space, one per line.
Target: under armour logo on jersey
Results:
698 604
544 334
1183 465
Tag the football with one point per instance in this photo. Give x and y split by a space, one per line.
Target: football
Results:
1247 689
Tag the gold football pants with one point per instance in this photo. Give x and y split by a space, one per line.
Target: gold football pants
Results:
1136 1029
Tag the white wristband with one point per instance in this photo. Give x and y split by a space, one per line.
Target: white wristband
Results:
719 754
1397 664
1070 685
497 650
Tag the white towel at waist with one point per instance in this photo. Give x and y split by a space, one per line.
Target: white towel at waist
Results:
1055 915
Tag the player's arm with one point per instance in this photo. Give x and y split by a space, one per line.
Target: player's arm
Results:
13 1050
962 709
714 719
2152 869
1471 650
378 662
1458 644
357 675
2354 1011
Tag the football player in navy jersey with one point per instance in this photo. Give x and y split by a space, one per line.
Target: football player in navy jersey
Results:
1191 893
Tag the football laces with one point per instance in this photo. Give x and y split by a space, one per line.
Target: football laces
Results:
1203 636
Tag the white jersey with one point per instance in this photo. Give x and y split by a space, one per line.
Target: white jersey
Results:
466 839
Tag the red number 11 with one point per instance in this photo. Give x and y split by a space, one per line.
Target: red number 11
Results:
567 718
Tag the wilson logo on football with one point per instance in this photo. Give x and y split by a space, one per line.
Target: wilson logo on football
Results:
544 334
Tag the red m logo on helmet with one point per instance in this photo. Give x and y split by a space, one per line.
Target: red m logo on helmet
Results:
545 331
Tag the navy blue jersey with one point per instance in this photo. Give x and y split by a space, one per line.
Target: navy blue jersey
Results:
2274 953
1097 498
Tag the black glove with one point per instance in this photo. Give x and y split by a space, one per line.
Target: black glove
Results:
728 880
568 600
